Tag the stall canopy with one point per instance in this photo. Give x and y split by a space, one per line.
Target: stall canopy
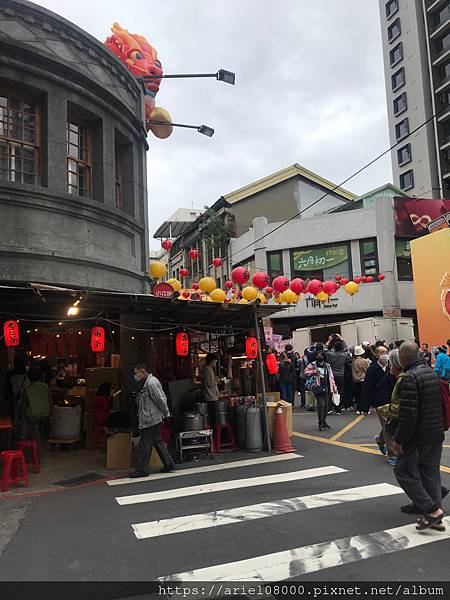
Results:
38 302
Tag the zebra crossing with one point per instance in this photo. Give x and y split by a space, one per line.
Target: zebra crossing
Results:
293 560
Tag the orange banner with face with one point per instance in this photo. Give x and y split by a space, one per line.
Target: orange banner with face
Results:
431 268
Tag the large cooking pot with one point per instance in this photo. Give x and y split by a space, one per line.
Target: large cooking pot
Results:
192 421
201 408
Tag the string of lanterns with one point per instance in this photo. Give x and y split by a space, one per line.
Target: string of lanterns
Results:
239 289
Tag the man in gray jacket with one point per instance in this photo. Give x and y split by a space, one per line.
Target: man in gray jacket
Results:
152 409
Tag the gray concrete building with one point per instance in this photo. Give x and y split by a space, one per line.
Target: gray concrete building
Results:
416 51
73 197
358 238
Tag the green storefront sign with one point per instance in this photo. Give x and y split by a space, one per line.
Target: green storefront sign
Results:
319 258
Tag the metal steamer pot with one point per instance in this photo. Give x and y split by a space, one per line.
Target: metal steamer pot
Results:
202 409
192 421
221 412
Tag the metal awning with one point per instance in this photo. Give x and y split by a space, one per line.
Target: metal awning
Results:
35 302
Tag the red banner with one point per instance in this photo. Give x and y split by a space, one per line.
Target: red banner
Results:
413 215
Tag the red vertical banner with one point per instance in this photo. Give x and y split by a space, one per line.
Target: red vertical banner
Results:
51 344
60 346
73 344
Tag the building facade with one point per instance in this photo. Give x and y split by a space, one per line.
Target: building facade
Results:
290 193
416 50
72 157
352 240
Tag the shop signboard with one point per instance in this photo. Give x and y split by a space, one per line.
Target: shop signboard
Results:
319 258
414 215
442 222
162 290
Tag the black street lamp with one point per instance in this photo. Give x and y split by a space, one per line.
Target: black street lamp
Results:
221 75
203 129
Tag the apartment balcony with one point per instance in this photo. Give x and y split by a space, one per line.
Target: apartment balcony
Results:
445 116
442 27
442 85
440 57
432 5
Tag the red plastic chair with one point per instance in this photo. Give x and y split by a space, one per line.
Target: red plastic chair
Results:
220 445
31 444
14 468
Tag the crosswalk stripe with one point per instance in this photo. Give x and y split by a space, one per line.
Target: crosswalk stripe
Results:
287 564
258 511
230 465
228 485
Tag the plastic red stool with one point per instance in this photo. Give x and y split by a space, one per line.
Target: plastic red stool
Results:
99 437
219 445
31 444
13 463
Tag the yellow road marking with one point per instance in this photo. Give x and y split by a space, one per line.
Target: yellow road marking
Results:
357 447
347 427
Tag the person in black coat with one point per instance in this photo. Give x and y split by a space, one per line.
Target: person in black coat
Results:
378 383
419 437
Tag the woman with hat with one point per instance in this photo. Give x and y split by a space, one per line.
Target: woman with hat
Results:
360 364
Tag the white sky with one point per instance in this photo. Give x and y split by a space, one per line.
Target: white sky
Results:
310 89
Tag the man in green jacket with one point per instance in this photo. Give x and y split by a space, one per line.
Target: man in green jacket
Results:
39 404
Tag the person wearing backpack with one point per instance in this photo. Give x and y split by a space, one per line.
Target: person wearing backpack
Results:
321 383
419 437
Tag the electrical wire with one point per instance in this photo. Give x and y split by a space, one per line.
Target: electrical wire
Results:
336 187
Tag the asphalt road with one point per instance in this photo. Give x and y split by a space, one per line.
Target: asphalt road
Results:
86 535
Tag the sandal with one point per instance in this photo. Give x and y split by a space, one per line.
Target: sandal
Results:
427 521
439 527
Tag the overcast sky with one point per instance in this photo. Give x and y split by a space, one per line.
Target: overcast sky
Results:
310 89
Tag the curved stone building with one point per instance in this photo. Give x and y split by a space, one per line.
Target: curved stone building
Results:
73 197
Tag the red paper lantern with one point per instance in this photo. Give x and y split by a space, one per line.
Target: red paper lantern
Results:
343 281
272 365
314 287
297 285
240 275
338 277
185 294
217 262
369 279
251 347
363 279
167 245
11 333
182 344
357 280
269 291
381 277
329 287
98 339
280 284
194 254
228 285
260 280
184 273
195 286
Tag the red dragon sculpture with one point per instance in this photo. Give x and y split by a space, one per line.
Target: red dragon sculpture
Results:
141 59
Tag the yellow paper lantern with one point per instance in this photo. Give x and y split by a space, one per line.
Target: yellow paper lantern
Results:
289 297
278 300
243 301
164 127
175 284
249 293
322 296
157 269
218 295
262 298
207 299
351 288
207 284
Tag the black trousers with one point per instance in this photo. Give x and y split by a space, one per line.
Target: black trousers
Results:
151 437
417 471
322 409
302 390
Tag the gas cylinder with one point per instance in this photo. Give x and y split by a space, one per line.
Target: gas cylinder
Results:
254 438
241 430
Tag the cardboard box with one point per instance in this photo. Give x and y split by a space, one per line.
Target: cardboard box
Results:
287 414
118 450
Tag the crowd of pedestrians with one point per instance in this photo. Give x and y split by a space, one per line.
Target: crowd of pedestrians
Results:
408 388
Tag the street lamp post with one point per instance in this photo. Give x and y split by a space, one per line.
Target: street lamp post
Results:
203 129
220 75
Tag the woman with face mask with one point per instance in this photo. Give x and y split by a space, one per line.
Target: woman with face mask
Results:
378 383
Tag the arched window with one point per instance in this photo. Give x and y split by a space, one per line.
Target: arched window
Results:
19 140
